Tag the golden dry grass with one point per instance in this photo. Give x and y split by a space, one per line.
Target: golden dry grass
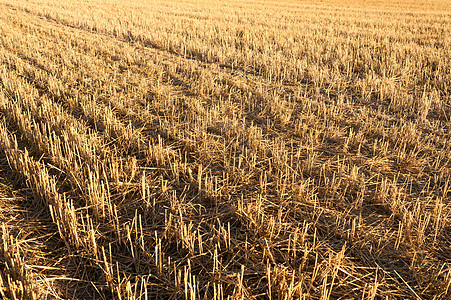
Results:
230 149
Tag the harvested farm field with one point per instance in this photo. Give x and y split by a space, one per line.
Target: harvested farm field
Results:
194 149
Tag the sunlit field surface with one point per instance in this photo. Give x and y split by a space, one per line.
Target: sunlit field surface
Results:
225 149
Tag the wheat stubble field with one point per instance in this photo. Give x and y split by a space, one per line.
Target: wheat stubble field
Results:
197 149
